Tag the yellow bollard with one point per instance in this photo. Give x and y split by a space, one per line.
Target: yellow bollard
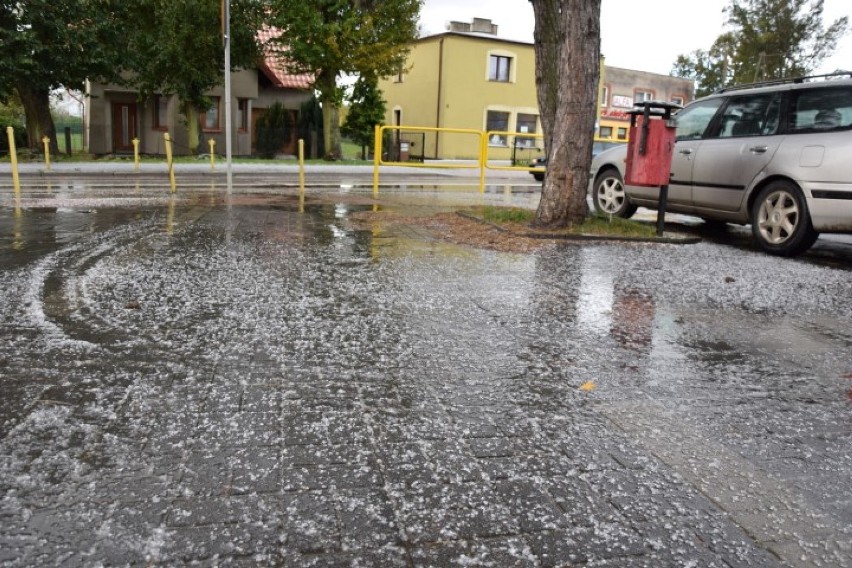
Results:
483 161
377 156
136 155
46 142
13 158
169 162
301 164
212 144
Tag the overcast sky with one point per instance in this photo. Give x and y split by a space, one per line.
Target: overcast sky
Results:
673 27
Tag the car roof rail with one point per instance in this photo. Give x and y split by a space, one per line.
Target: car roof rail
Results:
786 80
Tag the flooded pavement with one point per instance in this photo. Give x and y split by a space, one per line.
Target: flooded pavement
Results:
262 381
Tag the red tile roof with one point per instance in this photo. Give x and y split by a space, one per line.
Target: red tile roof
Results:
274 64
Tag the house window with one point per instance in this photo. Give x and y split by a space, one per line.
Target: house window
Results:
211 117
678 100
161 112
499 68
526 124
400 75
606 132
242 114
642 96
497 121
604 96
622 133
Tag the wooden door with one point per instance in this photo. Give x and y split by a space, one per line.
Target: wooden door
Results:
124 128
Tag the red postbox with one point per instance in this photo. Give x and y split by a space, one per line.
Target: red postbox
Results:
650 149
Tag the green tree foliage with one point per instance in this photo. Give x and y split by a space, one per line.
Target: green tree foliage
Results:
767 39
45 44
329 38
274 130
366 110
175 47
310 127
12 114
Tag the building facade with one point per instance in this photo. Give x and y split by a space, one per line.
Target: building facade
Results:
469 78
116 115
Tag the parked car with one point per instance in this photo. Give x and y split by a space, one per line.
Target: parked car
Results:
598 147
775 155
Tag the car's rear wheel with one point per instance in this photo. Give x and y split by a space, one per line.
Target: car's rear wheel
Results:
609 197
780 221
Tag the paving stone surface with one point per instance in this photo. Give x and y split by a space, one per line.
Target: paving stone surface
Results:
254 385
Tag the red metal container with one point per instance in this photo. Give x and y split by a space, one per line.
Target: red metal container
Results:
650 164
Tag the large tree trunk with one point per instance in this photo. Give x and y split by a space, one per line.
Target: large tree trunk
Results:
567 47
327 86
39 121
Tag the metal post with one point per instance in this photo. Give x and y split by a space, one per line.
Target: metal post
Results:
13 158
228 151
301 164
68 140
661 209
46 142
169 161
377 157
212 144
135 155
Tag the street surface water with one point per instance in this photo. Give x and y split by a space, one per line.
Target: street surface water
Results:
257 379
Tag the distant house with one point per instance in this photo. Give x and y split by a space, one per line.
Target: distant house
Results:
470 78
115 115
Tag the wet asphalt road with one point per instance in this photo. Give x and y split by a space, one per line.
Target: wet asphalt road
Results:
259 381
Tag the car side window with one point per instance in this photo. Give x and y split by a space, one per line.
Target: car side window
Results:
693 121
821 110
750 115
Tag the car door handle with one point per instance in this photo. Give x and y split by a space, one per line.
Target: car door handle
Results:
758 149
685 151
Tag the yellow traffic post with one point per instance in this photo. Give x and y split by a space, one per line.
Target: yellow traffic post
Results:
46 141
136 155
302 164
301 175
169 161
13 158
212 144
483 160
377 155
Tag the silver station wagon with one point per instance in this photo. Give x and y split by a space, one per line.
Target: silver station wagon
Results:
777 155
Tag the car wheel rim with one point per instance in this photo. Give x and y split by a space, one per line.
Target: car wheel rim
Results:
610 195
778 217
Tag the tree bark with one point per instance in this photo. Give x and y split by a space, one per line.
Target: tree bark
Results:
39 121
567 46
327 86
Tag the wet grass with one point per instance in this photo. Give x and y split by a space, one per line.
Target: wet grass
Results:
600 225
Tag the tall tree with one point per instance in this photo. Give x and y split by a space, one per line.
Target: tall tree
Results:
45 44
175 48
366 110
567 52
330 38
767 39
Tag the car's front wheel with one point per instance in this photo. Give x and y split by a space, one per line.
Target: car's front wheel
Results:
780 221
608 195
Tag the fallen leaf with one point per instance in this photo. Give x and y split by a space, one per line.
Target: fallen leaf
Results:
588 386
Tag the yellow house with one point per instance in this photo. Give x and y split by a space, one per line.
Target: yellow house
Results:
469 78
465 79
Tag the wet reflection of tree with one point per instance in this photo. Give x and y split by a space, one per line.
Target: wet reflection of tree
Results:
632 318
556 285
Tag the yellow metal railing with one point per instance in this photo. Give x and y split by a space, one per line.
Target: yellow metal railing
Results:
482 151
